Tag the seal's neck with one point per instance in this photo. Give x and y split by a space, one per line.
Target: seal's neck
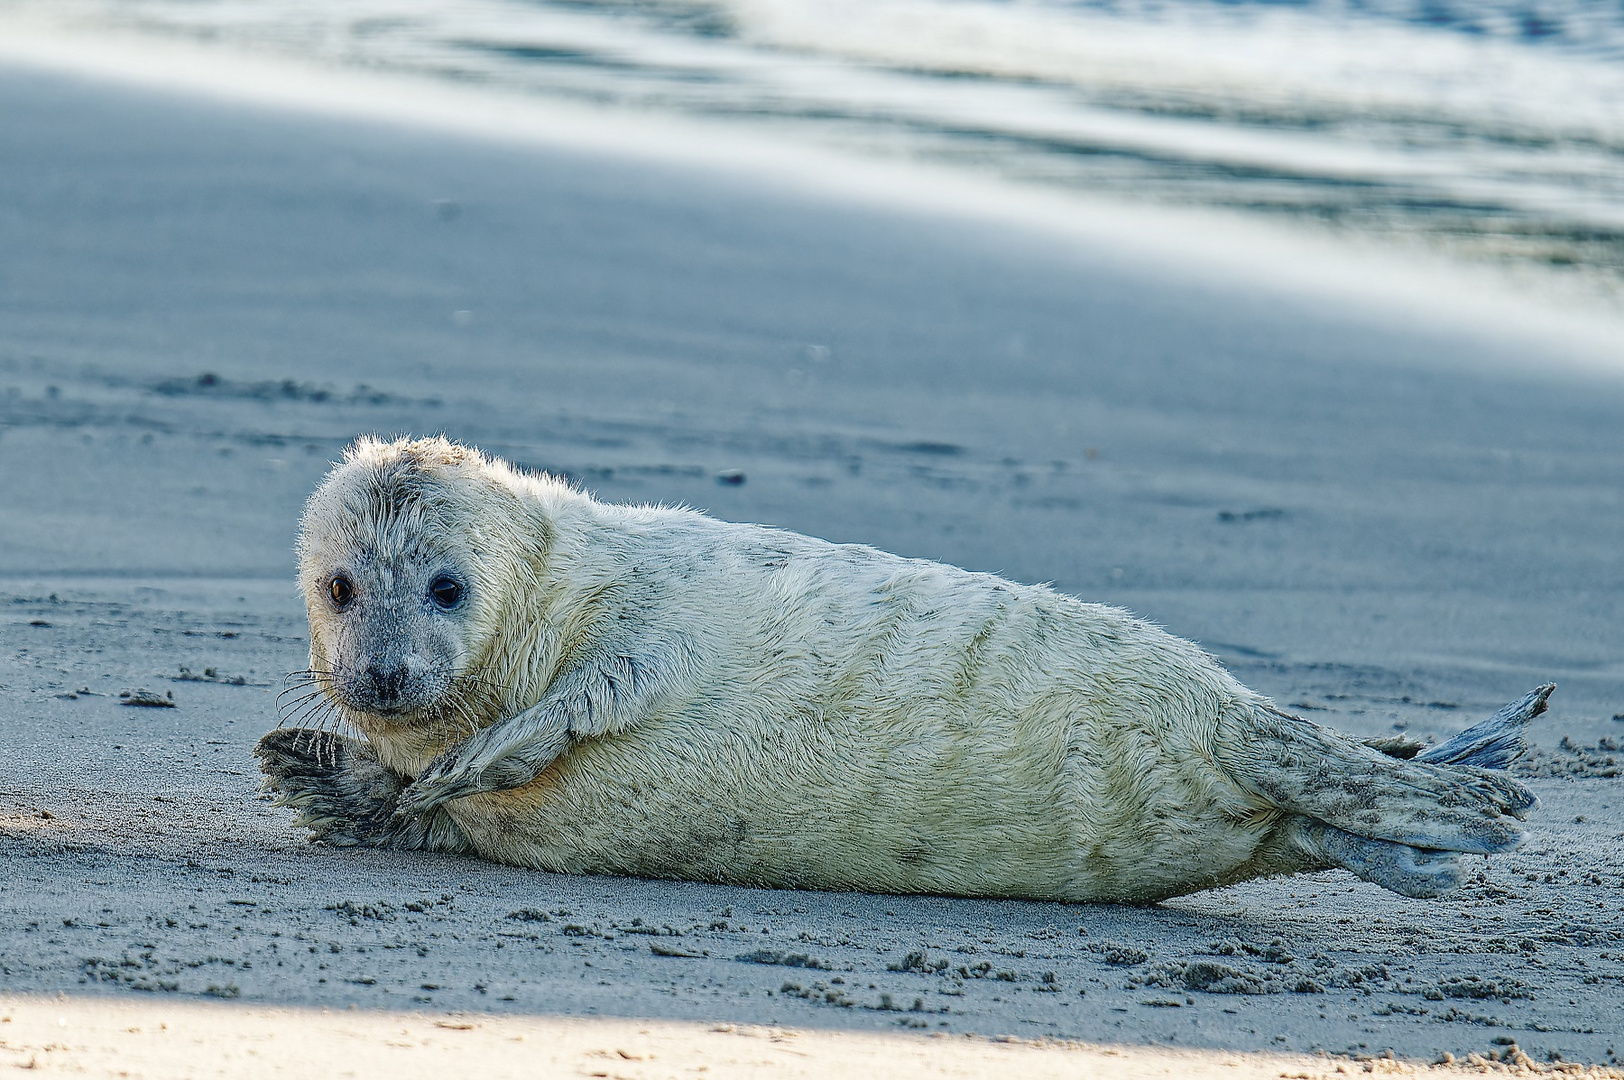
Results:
556 602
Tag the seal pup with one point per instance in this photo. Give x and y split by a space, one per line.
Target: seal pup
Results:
550 681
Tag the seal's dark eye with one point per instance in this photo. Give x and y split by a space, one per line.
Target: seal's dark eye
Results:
341 591
446 592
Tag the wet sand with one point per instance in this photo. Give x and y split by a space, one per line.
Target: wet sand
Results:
1386 521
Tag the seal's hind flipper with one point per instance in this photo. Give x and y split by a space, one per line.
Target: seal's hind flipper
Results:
1409 871
1496 742
1392 815
1303 768
1400 746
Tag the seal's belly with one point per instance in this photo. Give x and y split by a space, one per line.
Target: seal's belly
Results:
915 729
1004 808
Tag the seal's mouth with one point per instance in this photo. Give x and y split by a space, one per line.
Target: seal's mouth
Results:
396 712
389 714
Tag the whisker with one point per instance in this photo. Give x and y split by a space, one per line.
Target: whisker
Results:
304 721
284 702
295 708
481 681
304 710
298 688
462 712
490 693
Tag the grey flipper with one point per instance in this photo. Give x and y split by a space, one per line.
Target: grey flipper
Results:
1496 742
346 797
1429 865
1408 871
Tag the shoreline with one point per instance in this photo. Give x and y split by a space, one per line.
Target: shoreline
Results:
1361 124
1313 265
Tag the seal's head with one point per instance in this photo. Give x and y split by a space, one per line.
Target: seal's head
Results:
409 552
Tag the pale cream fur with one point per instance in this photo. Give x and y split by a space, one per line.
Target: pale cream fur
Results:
749 705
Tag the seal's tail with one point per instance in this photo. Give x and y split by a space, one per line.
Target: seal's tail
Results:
1496 742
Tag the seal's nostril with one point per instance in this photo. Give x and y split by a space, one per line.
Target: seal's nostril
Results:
388 681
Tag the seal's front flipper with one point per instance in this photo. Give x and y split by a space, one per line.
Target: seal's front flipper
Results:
336 783
503 756
344 795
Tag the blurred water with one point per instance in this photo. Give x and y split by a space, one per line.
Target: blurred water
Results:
1492 129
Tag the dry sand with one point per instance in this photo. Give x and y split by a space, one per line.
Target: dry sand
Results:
182 1040
1386 522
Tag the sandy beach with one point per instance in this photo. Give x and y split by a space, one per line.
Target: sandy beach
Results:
1389 509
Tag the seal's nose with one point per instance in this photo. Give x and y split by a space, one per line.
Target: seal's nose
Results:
388 679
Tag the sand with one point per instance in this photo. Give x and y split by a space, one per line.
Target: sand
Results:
1388 519
182 1040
